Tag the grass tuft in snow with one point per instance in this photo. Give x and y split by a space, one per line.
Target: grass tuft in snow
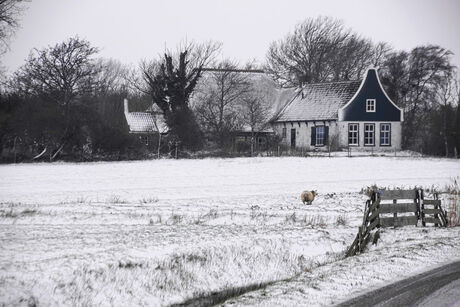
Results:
11 213
175 219
116 199
453 202
157 220
258 215
82 200
292 218
450 196
341 220
210 215
148 200
313 221
129 264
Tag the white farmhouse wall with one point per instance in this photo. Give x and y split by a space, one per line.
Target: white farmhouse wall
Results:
395 136
337 130
303 133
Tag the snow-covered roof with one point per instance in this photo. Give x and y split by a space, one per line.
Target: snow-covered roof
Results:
144 122
318 101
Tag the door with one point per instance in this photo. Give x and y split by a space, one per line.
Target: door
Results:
293 138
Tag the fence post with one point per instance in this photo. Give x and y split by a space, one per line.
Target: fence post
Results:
395 214
366 211
436 207
417 205
359 238
422 208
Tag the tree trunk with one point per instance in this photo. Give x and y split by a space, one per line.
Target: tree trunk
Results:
252 142
159 144
445 131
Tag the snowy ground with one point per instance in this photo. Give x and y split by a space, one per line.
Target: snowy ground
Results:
165 231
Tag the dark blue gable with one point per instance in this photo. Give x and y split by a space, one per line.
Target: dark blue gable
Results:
355 110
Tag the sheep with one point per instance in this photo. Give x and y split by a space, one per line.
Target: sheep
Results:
308 197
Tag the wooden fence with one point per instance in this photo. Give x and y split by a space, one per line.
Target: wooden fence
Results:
393 208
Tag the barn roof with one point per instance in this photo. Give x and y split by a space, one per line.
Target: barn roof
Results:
318 101
143 122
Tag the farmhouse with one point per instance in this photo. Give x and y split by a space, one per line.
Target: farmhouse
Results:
346 114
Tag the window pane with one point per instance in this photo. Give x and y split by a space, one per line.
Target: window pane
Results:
370 105
320 135
369 134
385 134
353 134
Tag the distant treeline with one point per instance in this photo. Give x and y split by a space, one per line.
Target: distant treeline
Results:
66 103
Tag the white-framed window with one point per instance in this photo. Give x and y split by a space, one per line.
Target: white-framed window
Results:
320 135
353 134
385 134
370 105
369 134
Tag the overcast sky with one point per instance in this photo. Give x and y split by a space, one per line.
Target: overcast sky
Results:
133 30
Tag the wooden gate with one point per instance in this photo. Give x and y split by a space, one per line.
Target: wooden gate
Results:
394 208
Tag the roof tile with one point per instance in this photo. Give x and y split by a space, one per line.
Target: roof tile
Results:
145 122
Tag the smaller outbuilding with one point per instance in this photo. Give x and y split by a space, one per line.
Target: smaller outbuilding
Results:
145 124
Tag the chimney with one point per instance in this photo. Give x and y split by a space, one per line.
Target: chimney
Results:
125 101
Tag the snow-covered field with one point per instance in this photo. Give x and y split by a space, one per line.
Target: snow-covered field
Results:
167 231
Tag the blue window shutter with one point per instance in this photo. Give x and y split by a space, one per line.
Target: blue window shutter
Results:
326 135
313 136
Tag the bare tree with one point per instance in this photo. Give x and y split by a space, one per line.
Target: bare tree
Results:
351 58
217 99
412 80
255 108
170 83
112 88
10 10
447 95
113 76
63 74
380 53
319 50
456 126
